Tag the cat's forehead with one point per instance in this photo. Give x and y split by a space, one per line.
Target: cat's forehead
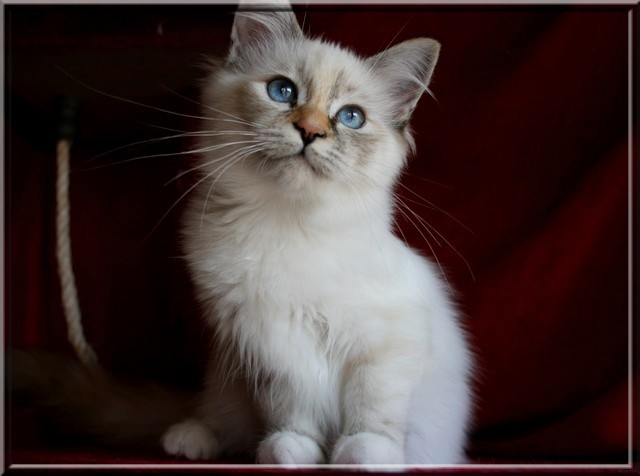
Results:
329 75
327 72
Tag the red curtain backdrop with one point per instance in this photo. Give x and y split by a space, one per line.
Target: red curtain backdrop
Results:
522 173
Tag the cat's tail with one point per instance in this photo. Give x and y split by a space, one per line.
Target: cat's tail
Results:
80 402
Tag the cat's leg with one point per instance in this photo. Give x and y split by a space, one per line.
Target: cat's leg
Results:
224 422
192 439
289 447
295 436
294 391
376 396
298 402
440 409
439 419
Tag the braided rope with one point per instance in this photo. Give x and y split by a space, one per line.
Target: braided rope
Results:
75 334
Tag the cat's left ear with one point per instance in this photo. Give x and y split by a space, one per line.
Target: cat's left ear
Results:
407 69
259 24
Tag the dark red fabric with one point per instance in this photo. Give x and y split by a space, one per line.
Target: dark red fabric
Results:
522 170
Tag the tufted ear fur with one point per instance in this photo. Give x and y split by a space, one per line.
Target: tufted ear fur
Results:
407 68
258 24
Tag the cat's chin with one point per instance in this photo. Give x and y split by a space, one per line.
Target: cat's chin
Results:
308 161
297 171
298 175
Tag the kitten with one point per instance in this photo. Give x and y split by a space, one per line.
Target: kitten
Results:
335 341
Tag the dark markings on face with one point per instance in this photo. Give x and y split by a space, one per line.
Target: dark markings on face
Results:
365 144
337 88
307 83
249 107
347 148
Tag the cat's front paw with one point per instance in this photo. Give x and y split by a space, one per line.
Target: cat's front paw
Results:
290 448
367 448
191 439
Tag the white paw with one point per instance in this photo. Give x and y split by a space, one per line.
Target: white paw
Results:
191 439
290 448
367 448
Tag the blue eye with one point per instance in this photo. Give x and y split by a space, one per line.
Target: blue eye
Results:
282 90
351 117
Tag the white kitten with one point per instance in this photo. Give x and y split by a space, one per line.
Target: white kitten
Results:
335 342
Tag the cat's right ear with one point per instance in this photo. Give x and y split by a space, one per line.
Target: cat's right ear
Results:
407 69
259 24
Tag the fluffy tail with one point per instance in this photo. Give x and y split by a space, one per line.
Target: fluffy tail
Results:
77 401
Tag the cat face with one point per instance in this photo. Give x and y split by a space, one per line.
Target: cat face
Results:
309 112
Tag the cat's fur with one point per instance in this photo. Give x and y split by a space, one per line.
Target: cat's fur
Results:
336 342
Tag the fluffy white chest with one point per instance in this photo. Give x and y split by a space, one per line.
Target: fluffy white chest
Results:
291 268
313 297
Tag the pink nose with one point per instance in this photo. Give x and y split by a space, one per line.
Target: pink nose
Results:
310 128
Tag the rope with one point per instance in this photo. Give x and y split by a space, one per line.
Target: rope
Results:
75 333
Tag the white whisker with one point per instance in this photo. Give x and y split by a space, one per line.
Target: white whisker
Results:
175 204
419 223
131 101
181 135
418 218
433 206
217 159
428 227
187 152
244 153
236 118
206 131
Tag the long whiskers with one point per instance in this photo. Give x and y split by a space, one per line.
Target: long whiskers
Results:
431 205
433 251
217 159
242 148
431 230
243 153
207 106
378 187
425 229
176 154
159 109
198 183
180 135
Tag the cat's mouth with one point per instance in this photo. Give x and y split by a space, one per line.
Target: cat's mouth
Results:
298 161
312 161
